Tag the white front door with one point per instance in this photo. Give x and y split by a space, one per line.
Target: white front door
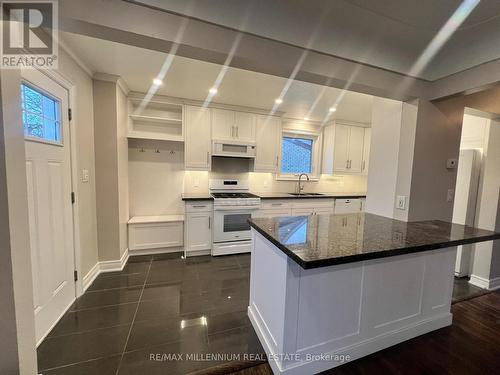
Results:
48 168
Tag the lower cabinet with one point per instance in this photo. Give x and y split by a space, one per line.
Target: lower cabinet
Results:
198 228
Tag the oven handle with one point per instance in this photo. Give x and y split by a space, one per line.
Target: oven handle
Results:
237 208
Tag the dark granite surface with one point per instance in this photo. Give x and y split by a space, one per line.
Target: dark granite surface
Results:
268 195
197 197
325 240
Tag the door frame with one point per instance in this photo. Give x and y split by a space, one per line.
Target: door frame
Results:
73 144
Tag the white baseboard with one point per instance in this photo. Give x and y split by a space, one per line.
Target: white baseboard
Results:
481 282
163 250
89 278
114 265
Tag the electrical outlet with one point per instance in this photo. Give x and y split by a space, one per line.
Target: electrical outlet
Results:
401 202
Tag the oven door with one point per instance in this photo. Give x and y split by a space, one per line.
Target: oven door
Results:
232 225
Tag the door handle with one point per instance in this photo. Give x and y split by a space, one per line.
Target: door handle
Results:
277 161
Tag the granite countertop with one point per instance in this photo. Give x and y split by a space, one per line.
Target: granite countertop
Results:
197 197
270 195
207 196
325 240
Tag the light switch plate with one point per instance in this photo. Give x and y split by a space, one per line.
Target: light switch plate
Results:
401 202
85 175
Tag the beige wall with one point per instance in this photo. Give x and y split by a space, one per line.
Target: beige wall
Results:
122 153
111 156
83 120
384 154
16 288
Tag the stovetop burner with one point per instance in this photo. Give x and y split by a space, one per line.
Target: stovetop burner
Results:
233 195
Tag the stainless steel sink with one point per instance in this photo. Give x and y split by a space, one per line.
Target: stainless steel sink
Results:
305 194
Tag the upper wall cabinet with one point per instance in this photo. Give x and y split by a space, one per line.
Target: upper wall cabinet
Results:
158 120
345 149
268 131
366 150
197 144
233 126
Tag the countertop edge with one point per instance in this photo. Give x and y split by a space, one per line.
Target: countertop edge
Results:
368 256
285 196
207 198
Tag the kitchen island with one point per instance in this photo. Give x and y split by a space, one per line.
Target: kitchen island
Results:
327 289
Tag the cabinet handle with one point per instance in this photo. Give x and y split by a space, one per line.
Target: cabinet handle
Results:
209 222
232 131
276 204
350 164
208 157
237 131
347 164
277 161
199 206
364 165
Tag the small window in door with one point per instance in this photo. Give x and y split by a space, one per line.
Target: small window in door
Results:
41 115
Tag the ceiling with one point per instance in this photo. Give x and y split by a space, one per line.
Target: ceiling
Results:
391 34
191 79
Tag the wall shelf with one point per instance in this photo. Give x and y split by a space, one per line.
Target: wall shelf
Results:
155 120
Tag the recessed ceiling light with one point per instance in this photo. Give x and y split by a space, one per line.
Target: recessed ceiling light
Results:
332 109
157 82
306 118
213 91
278 101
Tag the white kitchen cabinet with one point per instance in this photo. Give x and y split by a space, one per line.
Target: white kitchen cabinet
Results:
198 228
341 148
345 149
356 148
366 150
245 126
303 211
312 206
197 144
233 126
348 206
268 131
277 212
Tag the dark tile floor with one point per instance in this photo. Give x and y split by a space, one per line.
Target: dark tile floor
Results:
463 290
158 305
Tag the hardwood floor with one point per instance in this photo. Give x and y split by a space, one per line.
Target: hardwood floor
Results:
470 346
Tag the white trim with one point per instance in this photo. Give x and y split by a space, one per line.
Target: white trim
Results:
316 154
114 265
120 82
75 57
55 323
163 250
89 278
481 282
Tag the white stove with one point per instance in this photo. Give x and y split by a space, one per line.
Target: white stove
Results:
233 206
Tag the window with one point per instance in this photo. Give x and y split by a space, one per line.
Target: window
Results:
296 155
41 115
299 154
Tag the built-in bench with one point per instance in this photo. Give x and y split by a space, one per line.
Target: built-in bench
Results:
155 234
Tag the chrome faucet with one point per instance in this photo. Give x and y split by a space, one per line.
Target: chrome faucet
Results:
299 187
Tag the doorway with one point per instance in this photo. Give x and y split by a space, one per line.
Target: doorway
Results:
45 117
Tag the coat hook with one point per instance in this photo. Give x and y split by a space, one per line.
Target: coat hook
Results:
157 151
142 150
172 152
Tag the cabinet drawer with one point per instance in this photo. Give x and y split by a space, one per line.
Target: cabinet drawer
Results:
155 235
347 206
276 212
201 206
312 203
274 204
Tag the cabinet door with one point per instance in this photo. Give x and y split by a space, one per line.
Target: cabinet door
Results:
198 231
197 141
245 126
341 148
323 211
356 147
366 150
328 147
223 127
268 131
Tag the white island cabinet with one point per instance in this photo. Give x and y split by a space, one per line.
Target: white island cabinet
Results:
328 289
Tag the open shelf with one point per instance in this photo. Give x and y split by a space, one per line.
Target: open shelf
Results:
155 120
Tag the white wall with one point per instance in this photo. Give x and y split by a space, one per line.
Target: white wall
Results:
486 265
83 120
384 155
